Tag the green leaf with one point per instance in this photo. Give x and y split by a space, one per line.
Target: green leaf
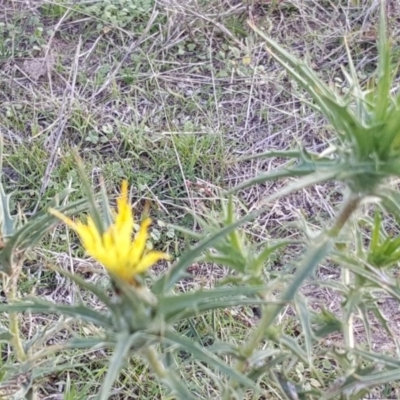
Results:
41 306
384 69
390 200
363 378
384 323
229 212
7 222
304 316
376 230
312 177
235 263
310 260
90 342
330 104
293 345
5 336
32 231
221 304
125 341
177 271
90 198
174 304
105 206
376 277
99 292
201 353
384 359
259 261
326 323
295 154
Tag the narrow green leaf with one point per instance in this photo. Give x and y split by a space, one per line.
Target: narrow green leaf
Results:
58 199
390 201
99 292
177 387
336 111
384 323
185 231
355 88
233 235
311 178
125 341
374 276
384 359
177 271
259 261
173 303
293 345
105 205
33 230
384 68
5 336
201 353
304 315
235 263
7 223
364 379
363 313
296 154
167 280
288 389
41 306
90 198
90 343
345 122
376 230
311 259
392 130
221 304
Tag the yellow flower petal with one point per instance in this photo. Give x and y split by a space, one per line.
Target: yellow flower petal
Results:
139 244
67 221
114 248
88 234
124 218
150 259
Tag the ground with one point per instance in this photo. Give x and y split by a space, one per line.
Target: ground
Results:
173 96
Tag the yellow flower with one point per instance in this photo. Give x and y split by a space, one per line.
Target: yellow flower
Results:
121 254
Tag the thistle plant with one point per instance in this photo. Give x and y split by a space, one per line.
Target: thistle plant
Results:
365 155
141 314
138 318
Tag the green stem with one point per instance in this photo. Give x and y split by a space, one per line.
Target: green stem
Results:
14 323
348 324
312 258
155 364
347 211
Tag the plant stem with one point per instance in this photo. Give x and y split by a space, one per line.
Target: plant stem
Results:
348 209
14 322
344 215
154 362
311 259
348 324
